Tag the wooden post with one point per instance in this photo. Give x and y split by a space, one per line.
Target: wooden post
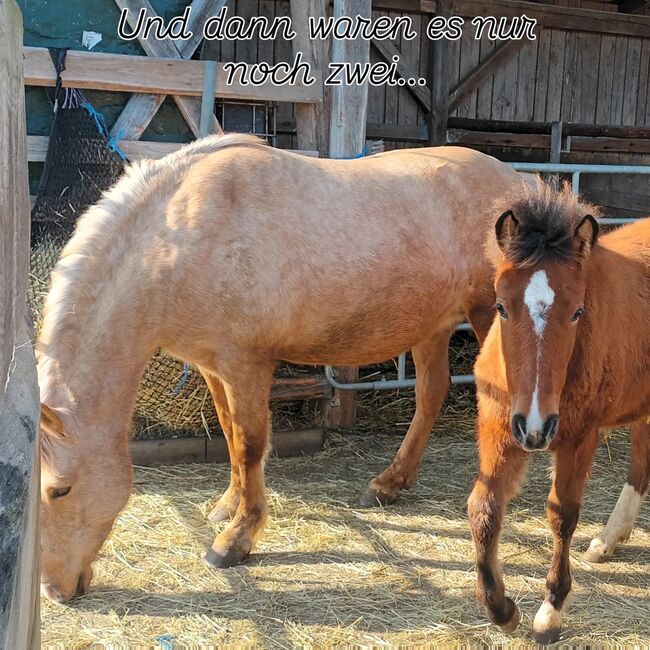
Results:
312 120
347 140
439 84
19 403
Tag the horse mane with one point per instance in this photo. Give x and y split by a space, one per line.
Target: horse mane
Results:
100 229
547 218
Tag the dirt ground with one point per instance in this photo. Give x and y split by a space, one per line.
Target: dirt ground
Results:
327 572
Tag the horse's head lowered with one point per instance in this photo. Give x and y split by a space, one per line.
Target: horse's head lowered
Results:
545 239
82 492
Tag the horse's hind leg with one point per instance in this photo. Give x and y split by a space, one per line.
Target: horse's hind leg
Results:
229 501
432 367
247 390
621 521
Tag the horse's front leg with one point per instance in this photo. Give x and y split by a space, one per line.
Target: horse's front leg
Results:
247 390
501 465
572 464
228 503
621 522
432 368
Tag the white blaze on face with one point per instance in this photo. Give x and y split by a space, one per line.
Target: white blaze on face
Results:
538 298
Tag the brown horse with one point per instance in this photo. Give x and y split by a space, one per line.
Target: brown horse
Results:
567 355
233 255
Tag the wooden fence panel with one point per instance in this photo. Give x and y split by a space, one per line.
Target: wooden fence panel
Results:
19 403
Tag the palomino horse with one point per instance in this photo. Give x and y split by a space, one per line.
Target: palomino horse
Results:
233 255
567 355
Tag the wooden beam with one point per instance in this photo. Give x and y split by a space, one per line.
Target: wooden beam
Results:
141 108
554 16
126 73
134 149
422 94
439 84
178 451
312 120
398 132
483 70
19 399
347 140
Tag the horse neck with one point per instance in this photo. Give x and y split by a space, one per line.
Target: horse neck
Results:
92 372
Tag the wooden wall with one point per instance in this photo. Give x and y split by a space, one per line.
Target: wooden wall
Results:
572 76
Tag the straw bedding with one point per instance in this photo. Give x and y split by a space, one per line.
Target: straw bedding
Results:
329 573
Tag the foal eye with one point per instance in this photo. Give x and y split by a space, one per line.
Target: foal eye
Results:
502 310
577 315
60 492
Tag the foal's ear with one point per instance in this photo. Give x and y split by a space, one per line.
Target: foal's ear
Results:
51 423
506 229
585 235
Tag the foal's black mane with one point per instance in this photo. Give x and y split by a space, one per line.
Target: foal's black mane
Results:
547 220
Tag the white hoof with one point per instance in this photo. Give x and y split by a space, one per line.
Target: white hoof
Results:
599 551
548 624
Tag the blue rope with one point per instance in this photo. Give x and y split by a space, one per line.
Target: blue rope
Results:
114 147
185 375
97 116
101 127
166 641
362 154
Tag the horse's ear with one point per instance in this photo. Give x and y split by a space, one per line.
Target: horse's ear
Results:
585 235
506 229
51 423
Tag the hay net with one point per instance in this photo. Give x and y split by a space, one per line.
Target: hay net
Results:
82 162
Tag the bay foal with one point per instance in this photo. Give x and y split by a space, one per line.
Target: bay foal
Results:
567 355
233 255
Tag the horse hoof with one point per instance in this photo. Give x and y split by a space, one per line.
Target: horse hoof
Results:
513 622
372 498
218 514
547 624
597 552
232 557
547 637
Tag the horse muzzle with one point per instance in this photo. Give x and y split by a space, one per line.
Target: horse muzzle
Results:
534 439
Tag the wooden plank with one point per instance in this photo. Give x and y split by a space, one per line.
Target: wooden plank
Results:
631 81
439 84
618 84
487 67
606 80
470 56
540 141
485 139
633 6
542 73
19 399
134 149
347 140
141 108
180 451
126 73
485 90
312 120
559 17
644 72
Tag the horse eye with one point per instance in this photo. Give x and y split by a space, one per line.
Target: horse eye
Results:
60 492
502 311
577 315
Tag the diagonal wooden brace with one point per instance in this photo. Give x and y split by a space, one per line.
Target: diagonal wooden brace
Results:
141 108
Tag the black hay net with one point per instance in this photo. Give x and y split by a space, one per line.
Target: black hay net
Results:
81 163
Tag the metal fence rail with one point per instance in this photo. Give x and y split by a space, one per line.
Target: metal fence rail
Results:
576 172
